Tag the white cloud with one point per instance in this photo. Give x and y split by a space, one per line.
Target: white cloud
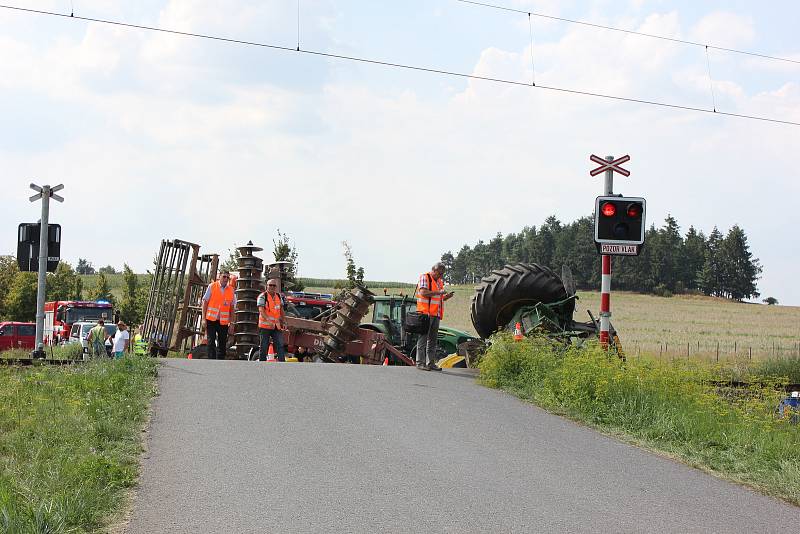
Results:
724 29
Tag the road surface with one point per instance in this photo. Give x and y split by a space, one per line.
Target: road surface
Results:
241 447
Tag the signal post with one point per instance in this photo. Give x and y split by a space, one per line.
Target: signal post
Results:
619 230
43 193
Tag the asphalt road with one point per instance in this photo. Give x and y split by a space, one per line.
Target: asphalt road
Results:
264 447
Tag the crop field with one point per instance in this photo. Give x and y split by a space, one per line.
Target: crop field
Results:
670 327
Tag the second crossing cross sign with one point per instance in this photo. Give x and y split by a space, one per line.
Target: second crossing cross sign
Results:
613 166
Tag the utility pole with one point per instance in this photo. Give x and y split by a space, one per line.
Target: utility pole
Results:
44 192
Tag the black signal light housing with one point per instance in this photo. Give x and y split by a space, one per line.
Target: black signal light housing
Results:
619 220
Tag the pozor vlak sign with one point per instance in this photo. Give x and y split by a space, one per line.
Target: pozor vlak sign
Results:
619 225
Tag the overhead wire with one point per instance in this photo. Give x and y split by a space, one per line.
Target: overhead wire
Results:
398 65
632 32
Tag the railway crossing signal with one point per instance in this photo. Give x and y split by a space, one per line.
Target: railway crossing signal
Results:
612 165
618 230
619 225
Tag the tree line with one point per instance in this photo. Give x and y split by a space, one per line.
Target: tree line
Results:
717 264
18 291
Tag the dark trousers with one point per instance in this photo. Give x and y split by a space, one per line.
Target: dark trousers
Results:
277 342
217 339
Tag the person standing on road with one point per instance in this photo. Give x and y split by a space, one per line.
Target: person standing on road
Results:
219 303
121 340
430 301
271 321
96 338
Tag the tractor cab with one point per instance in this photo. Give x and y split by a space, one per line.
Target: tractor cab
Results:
388 316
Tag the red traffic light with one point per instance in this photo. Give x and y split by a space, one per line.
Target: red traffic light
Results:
634 210
608 209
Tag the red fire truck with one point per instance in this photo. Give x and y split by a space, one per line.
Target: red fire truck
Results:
61 314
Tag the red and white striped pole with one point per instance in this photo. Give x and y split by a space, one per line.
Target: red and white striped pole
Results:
605 301
605 281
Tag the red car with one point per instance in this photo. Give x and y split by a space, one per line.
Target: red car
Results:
14 335
307 305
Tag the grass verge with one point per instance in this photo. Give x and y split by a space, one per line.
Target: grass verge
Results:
670 407
70 442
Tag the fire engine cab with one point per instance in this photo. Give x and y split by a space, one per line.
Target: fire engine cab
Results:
61 314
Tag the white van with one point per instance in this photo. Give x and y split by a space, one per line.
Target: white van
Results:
80 331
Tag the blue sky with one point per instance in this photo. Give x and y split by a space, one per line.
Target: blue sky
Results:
160 136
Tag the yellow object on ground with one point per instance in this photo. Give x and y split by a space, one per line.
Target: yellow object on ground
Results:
453 360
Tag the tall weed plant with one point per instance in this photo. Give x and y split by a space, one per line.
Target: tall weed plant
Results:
69 442
673 407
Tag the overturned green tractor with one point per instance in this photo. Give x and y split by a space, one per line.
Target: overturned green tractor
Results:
536 298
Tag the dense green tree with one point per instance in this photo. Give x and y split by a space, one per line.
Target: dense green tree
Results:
458 274
8 270
447 259
694 250
711 276
21 299
666 252
494 252
84 267
667 263
546 249
128 307
108 269
740 270
61 284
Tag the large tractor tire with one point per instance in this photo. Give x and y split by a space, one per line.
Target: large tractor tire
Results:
506 290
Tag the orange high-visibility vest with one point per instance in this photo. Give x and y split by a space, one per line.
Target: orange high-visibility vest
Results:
433 306
220 305
270 313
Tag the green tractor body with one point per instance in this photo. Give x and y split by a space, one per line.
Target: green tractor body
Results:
388 316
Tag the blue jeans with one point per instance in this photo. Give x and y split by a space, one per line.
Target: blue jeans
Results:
277 343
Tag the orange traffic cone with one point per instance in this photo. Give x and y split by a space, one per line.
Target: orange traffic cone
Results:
518 332
270 353
386 361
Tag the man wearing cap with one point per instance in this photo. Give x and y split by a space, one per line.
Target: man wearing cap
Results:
271 320
430 301
219 304
121 340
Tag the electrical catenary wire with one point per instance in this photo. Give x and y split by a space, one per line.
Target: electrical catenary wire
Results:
399 65
632 32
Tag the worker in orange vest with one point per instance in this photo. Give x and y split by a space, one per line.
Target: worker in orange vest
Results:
271 320
430 301
219 304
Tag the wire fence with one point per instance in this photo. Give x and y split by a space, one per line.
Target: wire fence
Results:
715 350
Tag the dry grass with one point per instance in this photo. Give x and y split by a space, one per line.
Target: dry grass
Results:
664 326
